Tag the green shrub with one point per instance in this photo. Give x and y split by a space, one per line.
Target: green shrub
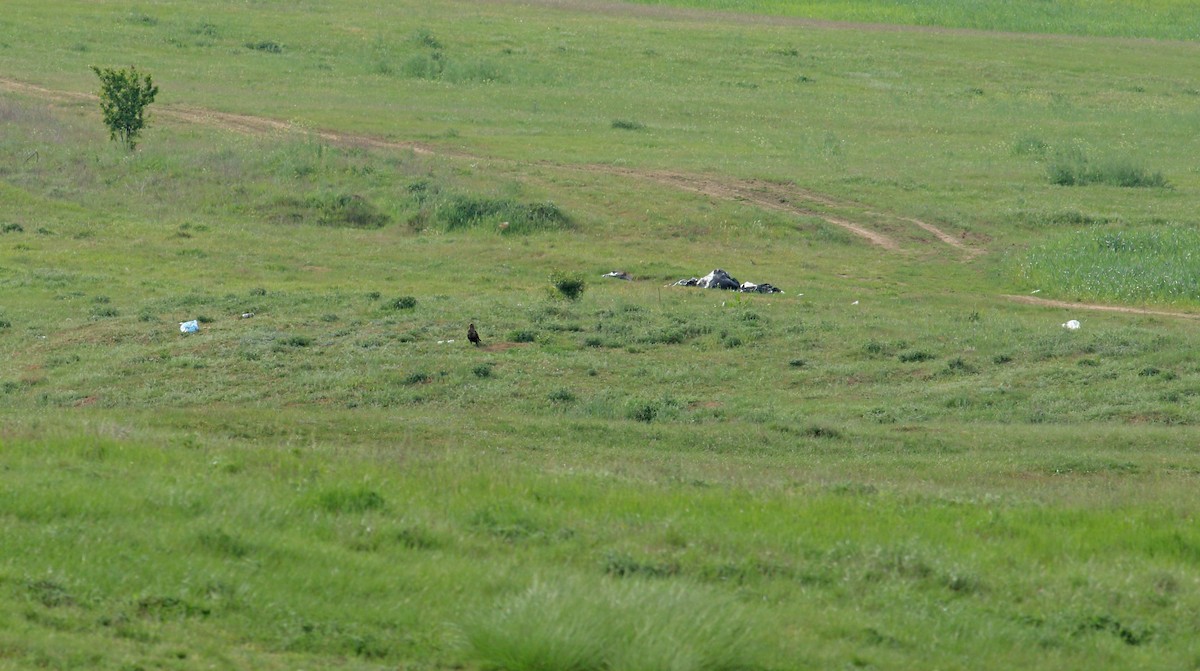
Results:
404 303
623 124
482 370
569 285
124 96
522 336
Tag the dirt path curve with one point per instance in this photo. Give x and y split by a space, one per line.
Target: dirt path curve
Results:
1046 302
781 197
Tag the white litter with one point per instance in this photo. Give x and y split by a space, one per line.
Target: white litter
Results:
854 303
1035 291
1072 325
247 315
189 327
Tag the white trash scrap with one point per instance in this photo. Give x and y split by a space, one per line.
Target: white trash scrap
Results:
1072 325
189 327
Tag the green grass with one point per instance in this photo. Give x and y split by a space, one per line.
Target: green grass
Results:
1165 19
890 465
1144 265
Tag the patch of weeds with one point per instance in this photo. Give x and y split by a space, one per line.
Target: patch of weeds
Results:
459 212
258 291
265 46
625 566
958 365
417 538
623 124
593 341
5 324
522 336
1029 145
1001 359
1129 635
506 523
561 396
223 543
417 378
205 29
817 431
12 228
162 607
403 303
1076 169
349 500
483 370
731 341
569 285
375 295
346 210
854 489
797 363
329 318
105 313
297 341
915 356
423 37
140 19
1149 371
50 594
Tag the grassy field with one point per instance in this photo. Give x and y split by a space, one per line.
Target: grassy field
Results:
1159 19
892 464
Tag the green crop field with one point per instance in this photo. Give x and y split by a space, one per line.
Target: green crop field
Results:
904 460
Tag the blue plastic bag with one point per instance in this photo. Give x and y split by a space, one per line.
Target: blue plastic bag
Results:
189 327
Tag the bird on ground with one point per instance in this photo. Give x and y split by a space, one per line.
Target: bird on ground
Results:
473 335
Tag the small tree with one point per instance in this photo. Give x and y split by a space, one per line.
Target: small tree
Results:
124 96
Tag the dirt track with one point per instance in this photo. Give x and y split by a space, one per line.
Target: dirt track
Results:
1046 302
780 197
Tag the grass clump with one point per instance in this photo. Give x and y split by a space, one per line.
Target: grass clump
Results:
349 500
404 303
265 46
1078 170
634 625
1154 264
624 124
569 285
460 212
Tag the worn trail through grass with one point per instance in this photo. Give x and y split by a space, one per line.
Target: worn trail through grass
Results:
780 197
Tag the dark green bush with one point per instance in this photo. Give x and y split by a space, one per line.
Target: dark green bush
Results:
404 303
569 285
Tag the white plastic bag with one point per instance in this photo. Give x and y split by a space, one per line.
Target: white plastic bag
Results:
189 327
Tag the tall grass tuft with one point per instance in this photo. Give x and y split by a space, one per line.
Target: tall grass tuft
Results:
1078 170
1157 264
586 624
460 212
